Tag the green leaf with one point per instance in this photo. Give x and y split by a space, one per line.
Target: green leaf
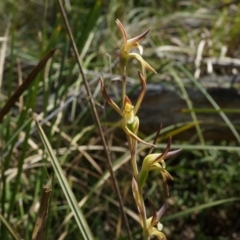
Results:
72 202
199 208
10 229
90 23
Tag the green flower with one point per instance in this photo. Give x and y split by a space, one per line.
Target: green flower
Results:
128 45
130 121
155 221
128 111
156 161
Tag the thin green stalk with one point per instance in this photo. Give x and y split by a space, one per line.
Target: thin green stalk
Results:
20 167
136 175
144 215
10 229
189 104
211 110
123 84
133 157
199 147
133 150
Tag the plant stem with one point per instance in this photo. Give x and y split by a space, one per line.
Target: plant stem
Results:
123 73
133 148
144 215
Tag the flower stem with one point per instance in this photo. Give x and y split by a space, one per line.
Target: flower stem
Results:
133 148
123 73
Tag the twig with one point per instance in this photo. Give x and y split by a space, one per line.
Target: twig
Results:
39 228
20 90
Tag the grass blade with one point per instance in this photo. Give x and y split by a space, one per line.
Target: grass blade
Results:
10 229
79 217
199 208
189 104
211 100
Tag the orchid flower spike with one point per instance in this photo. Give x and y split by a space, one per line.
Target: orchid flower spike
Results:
128 45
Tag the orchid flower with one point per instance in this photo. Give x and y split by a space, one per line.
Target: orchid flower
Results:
155 221
156 161
130 121
128 45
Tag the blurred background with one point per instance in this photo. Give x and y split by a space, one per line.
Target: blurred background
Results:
193 45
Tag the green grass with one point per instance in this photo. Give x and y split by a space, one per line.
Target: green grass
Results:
204 196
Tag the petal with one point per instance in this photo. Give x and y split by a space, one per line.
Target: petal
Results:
140 49
120 26
141 94
128 111
108 99
168 175
172 153
159 226
154 217
165 152
142 61
149 159
139 37
165 185
158 234
134 136
129 46
162 210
